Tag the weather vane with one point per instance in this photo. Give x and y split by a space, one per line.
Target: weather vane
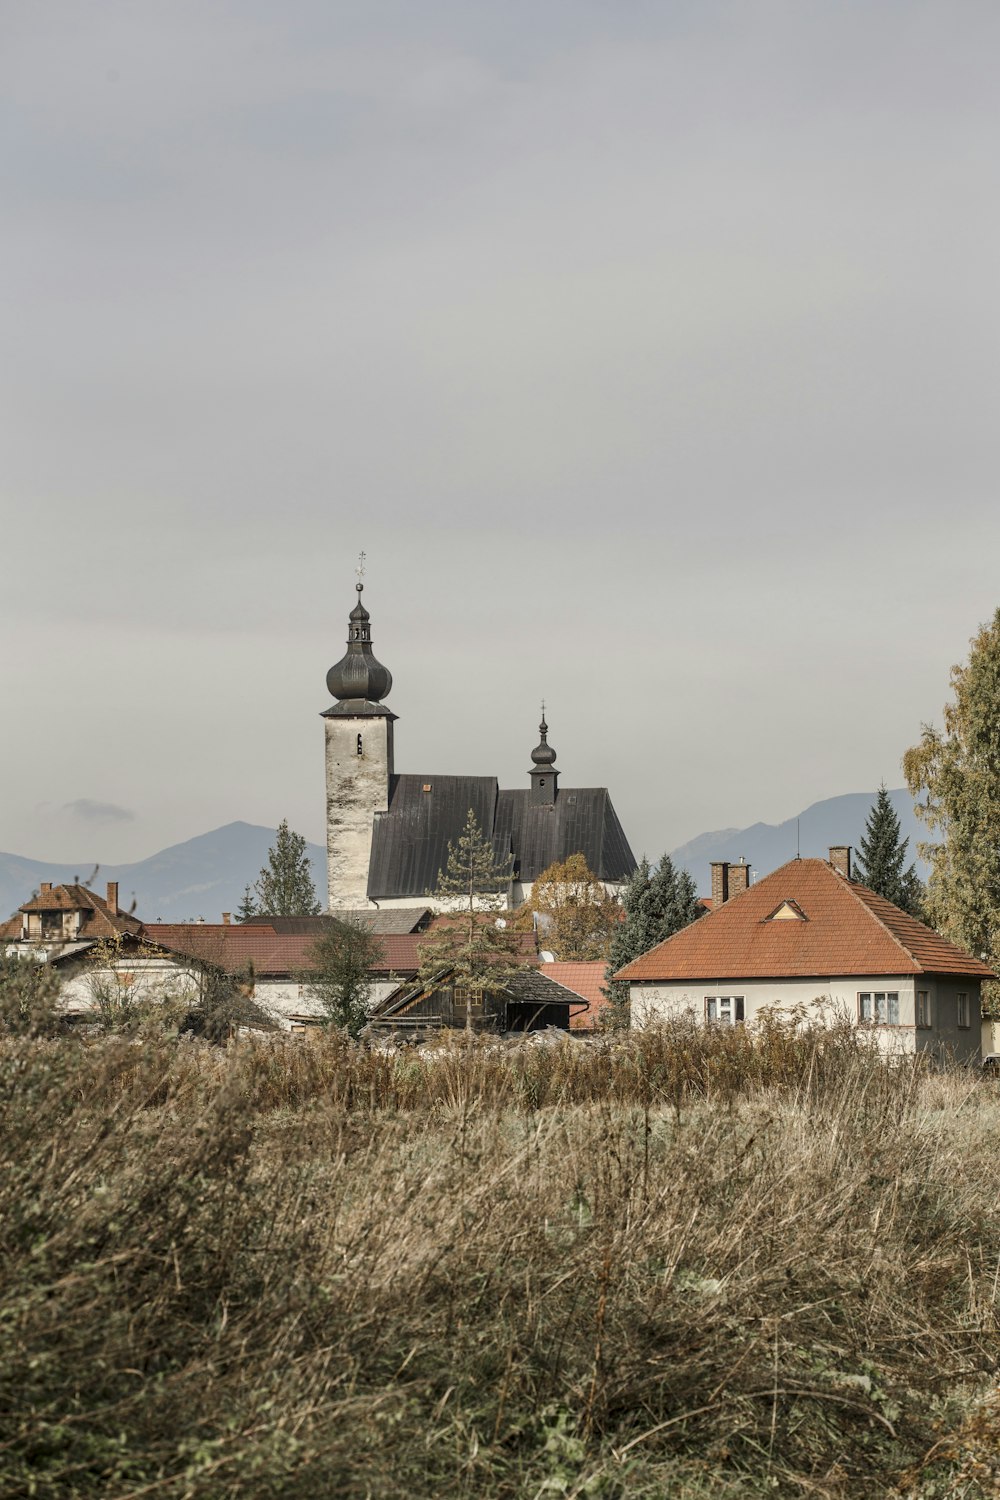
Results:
360 570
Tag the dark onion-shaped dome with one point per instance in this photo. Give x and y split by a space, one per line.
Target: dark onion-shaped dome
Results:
543 754
358 675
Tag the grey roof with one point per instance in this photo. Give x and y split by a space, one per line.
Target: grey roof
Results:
528 985
426 813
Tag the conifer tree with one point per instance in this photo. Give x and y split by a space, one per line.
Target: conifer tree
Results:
881 860
956 773
473 886
285 887
657 905
247 907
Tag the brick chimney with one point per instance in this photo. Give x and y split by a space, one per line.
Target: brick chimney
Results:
45 887
840 858
227 917
739 878
720 883
113 897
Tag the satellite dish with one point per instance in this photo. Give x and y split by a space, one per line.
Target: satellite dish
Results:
501 922
547 957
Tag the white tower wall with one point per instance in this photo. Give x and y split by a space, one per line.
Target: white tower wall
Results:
357 787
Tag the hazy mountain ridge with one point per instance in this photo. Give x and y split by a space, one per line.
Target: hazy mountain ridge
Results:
201 877
206 875
765 846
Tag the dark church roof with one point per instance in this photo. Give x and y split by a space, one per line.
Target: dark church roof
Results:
426 813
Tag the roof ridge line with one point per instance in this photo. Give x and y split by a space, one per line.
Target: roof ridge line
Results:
852 885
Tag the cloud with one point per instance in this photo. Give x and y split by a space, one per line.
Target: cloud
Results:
98 812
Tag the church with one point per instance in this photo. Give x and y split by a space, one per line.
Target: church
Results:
387 834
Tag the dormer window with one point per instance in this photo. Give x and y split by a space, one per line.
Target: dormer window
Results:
788 911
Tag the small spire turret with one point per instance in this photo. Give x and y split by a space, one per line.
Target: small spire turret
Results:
543 773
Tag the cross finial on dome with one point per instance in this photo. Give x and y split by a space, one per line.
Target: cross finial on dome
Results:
360 570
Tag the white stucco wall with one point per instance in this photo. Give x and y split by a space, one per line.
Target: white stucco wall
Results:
836 995
357 787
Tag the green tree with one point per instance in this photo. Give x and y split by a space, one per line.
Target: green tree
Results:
339 973
479 948
657 904
285 887
954 774
248 906
881 859
29 996
575 915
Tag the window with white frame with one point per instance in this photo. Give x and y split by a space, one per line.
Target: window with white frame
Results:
726 1009
922 1009
963 1015
879 1007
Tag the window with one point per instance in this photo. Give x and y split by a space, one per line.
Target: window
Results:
962 1008
879 1006
923 1009
360 750
727 1010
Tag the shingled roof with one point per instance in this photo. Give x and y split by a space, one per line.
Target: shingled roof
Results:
97 918
234 947
426 813
834 927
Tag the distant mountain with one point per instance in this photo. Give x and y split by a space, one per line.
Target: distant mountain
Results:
765 846
203 877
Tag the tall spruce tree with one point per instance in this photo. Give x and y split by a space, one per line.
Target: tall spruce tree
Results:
472 889
881 859
657 904
285 887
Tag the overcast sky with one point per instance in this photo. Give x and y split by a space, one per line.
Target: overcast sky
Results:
649 351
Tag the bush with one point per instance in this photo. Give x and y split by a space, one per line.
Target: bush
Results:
685 1262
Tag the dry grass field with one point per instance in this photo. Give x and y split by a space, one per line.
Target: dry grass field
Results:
682 1263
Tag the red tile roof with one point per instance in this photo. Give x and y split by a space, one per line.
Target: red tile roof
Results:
234 946
585 979
98 920
845 929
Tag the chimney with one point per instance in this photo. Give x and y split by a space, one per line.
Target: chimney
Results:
46 886
840 858
227 917
113 897
720 883
739 878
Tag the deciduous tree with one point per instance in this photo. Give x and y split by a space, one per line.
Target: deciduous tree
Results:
339 972
954 774
881 860
576 917
285 886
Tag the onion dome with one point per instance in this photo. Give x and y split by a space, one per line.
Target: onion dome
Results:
358 676
543 753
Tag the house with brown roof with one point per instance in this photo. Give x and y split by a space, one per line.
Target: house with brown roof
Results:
808 932
584 978
67 916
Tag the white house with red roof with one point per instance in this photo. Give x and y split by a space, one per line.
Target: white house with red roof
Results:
807 933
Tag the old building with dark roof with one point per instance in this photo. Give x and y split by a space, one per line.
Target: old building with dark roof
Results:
388 833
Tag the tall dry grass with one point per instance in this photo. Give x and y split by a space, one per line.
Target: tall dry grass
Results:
681 1263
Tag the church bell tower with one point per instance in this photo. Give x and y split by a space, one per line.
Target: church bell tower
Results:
358 760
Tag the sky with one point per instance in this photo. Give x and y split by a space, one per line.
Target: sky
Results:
648 351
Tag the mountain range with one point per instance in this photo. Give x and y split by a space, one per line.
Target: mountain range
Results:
205 876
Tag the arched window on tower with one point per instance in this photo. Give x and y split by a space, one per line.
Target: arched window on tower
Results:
360 747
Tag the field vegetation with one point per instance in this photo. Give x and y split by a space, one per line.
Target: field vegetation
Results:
701 1263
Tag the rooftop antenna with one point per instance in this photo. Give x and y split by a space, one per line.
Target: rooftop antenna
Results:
797 854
